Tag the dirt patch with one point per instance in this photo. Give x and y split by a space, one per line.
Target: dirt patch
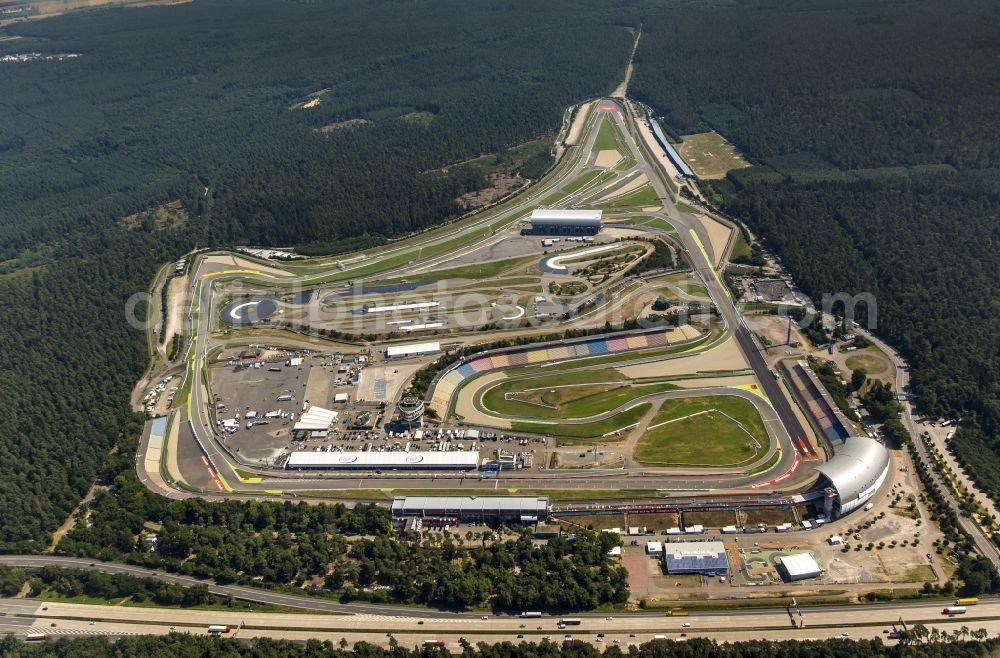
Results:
342 125
711 382
311 104
607 158
235 262
773 328
169 215
726 356
641 571
710 519
872 361
577 128
318 386
718 235
655 520
176 298
500 184
594 522
70 521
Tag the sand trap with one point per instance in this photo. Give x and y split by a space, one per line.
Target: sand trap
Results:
607 158
632 185
718 235
577 128
722 357
690 333
233 262
467 410
176 292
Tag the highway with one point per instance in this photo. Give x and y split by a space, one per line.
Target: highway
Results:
324 619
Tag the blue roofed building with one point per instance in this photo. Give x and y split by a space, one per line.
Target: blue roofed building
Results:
701 557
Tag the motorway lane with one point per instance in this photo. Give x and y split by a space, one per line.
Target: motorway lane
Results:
719 618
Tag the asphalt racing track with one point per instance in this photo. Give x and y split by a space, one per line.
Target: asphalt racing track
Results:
209 469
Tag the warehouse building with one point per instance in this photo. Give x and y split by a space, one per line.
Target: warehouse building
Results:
413 349
557 221
698 557
854 474
798 567
490 509
390 461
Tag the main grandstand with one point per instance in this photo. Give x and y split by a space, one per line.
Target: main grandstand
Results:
436 460
446 384
854 474
669 149
557 221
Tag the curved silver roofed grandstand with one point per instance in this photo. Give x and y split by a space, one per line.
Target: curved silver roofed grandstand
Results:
856 472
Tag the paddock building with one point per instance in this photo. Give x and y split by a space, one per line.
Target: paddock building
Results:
521 509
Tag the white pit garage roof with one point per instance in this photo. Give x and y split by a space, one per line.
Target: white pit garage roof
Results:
448 459
472 507
315 419
800 566
547 216
395 351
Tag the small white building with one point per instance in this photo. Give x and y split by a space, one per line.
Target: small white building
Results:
729 530
835 540
799 566
654 548
414 349
697 529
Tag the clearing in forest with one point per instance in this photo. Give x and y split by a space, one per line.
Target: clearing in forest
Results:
710 155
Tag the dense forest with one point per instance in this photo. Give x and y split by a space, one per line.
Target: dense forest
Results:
873 131
183 646
260 122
